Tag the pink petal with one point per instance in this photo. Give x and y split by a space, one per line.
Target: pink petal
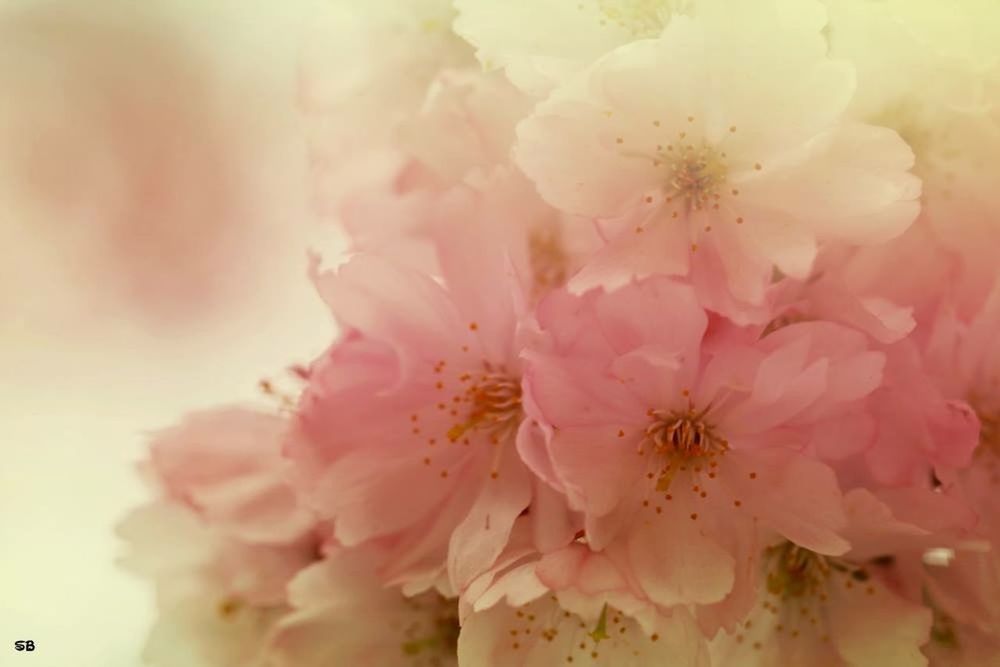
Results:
480 538
878 628
661 248
401 307
675 562
371 493
851 183
597 470
790 493
579 392
554 525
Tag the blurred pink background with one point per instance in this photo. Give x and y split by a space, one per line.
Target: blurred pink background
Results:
153 229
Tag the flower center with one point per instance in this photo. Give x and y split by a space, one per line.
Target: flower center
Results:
696 174
285 391
786 319
942 625
495 408
230 607
682 439
431 637
641 18
795 572
799 583
548 260
989 431
988 413
472 406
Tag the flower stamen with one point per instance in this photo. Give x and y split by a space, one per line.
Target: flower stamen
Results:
682 439
989 431
696 174
641 18
433 632
495 406
549 263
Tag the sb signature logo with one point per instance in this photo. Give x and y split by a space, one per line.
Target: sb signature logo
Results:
26 645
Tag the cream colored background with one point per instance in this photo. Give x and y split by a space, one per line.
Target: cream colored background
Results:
87 367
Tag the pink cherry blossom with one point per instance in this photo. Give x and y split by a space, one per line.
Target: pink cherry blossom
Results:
674 445
227 465
410 420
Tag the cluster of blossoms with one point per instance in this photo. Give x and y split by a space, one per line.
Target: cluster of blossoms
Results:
668 337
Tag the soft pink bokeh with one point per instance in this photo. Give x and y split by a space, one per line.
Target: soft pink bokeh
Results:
153 233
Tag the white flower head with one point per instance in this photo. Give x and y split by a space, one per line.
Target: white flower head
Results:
518 620
540 42
343 615
725 136
817 610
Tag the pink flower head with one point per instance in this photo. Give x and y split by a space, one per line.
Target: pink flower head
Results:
227 465
410 420
678 445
